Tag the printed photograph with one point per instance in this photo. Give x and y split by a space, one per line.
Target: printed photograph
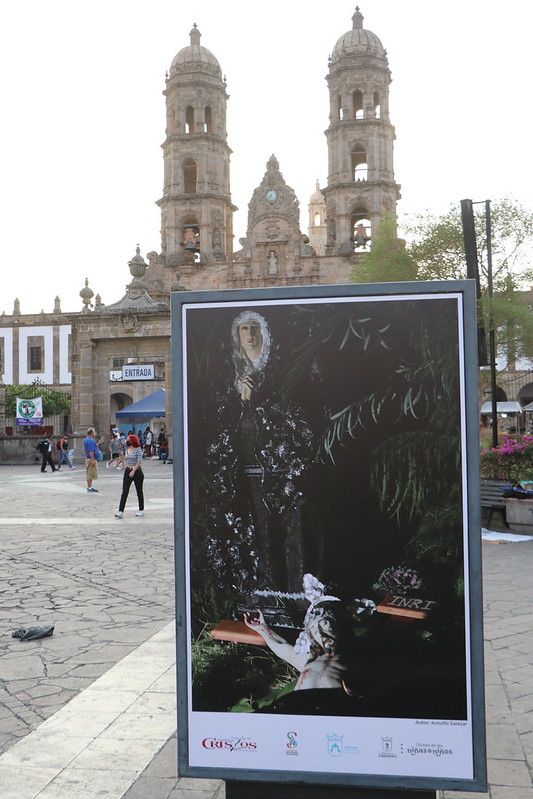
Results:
324 463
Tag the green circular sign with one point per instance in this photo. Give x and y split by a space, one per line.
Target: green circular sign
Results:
26 409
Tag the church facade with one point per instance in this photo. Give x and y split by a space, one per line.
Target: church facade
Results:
197 249
83 353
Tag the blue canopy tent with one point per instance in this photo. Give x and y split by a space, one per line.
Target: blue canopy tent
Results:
147 408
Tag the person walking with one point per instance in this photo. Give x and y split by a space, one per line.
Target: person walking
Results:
63 453
115 452
45 448
160 438
92 456
148 439
123 448
132 473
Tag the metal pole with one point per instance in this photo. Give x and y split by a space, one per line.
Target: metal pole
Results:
472 271
492 343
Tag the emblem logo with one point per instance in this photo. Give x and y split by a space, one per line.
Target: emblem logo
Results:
292 742
27 409
335 745
386 747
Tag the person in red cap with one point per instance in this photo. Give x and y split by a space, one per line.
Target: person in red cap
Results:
133 472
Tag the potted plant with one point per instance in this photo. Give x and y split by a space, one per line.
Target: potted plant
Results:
512 463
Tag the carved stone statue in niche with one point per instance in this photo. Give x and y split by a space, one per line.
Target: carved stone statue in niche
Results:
272 261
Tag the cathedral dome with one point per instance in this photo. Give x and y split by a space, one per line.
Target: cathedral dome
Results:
317 196
358 41
194 56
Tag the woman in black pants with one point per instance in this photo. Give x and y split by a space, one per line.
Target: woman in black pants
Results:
133 459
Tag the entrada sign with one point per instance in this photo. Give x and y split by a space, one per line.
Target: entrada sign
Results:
138 371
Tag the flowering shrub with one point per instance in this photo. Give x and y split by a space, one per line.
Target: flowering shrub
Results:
511 461
399 580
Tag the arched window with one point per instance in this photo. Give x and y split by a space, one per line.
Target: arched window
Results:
361 229
189 176
189 119
208 123
340 110
357 102
359 163
377 106
317 219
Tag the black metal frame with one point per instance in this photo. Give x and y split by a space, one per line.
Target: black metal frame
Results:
469 343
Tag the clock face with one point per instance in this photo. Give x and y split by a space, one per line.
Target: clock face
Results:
271 195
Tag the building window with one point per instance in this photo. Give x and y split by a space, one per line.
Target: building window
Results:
36 359
208 122
359 164
35 353
377 106
361 229
189 119
118 363
357 100
189 176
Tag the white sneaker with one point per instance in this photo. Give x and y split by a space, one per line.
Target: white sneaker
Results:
119 514
140 513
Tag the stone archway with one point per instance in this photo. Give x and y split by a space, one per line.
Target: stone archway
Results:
117 401
525 395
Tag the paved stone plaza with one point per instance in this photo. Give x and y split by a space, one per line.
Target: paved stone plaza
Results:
90 711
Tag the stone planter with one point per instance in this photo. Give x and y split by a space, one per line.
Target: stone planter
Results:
519 515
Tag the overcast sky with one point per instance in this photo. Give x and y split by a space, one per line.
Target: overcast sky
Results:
83 117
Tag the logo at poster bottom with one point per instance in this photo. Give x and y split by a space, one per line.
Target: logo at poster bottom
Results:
230 744
386 747
335 745
292 743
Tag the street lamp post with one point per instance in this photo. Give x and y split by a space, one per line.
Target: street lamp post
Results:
492 343
469 236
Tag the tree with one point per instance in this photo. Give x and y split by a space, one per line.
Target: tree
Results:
388 260
54 402
436 246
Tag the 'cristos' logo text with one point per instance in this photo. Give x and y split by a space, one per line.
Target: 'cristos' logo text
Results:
230 744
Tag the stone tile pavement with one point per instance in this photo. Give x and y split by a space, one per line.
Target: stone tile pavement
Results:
106 583
90 712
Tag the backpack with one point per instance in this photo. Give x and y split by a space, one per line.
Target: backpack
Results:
41 447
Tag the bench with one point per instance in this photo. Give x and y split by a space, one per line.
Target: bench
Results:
492 498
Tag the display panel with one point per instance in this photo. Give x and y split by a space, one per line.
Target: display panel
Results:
327 535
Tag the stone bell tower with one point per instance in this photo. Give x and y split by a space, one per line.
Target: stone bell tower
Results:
196 208
361 187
